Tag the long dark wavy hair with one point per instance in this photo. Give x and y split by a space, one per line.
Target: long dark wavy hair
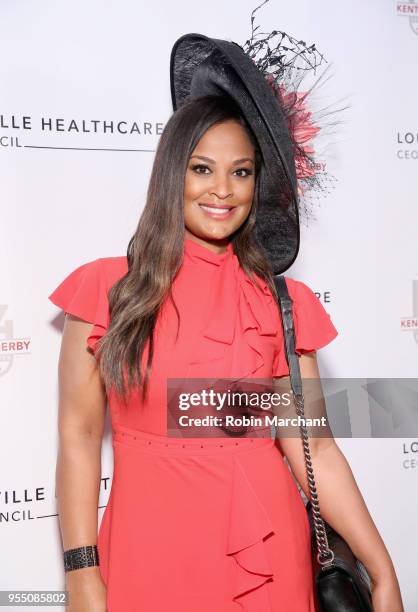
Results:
155 251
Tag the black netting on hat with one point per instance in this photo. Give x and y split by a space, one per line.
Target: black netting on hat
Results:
286 64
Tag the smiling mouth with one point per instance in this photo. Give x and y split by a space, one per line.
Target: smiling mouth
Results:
216 210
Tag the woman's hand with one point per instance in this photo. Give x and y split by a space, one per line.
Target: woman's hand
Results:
386 595
86 590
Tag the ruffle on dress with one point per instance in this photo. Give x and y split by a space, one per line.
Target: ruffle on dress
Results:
83 293
241 319
249 526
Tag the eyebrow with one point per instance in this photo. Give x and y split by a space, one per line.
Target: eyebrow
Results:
212 161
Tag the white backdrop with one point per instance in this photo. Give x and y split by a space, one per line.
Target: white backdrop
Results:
71 192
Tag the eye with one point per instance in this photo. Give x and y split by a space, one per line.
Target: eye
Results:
247 171
196 167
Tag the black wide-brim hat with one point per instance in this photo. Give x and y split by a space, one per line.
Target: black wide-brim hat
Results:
201 66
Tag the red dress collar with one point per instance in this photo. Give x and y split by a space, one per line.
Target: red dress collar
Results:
196 253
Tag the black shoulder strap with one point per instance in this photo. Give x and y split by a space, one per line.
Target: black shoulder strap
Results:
286 309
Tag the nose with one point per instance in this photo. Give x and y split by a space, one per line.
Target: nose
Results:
221 187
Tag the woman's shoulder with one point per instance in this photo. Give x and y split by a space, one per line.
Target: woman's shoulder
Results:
304 297
85 288
113 268
108 269
296 285
313 324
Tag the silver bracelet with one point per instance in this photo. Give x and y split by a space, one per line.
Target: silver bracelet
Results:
77 558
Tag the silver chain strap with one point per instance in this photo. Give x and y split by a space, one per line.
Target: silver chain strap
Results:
325 555
324 550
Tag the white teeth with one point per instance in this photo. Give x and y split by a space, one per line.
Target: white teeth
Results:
217 211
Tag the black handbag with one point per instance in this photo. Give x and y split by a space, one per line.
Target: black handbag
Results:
342 583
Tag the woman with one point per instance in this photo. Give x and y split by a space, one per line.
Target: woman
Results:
209 524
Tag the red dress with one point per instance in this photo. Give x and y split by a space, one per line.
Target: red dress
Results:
213 524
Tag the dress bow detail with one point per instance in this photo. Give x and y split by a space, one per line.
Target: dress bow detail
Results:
245 317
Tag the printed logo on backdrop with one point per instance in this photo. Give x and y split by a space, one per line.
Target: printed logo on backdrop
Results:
409 10
410 455
409 142
9 345
324 296
48 132
410 324
22 504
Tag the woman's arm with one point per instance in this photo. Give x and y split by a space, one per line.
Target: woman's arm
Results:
342 505
82 407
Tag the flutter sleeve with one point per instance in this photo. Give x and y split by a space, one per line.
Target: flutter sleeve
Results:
83 293
313 326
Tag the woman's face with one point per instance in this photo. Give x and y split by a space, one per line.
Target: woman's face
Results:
219 185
